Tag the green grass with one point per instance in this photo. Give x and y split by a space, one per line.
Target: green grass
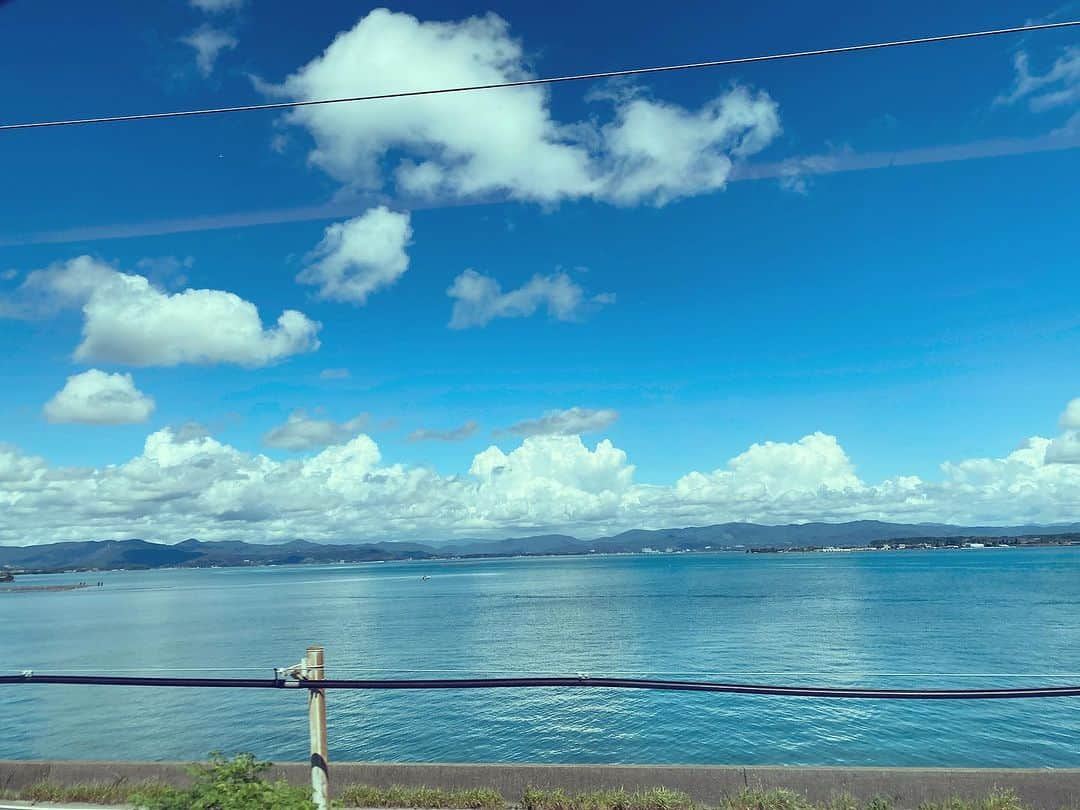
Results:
779 799
776 800
119 792
654 799
998 800
398 796
237 785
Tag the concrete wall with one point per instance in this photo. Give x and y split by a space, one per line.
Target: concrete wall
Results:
1051 789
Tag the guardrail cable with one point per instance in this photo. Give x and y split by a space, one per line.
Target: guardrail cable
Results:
578 682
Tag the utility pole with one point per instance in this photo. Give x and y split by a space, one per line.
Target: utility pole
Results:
313 670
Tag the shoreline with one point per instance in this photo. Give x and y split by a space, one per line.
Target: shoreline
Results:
763 551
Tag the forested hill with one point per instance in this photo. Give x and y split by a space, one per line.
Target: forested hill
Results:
110 554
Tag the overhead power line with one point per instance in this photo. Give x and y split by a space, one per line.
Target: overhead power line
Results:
608 74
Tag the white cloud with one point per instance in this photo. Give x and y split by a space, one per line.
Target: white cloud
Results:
127 320
185 483
1059 86
507 141
334 374
216 6
661 151
457 434
1070 417
551 479
208 43
566 422
359 256
479 299
773 469
301 432
97 398
1064 449
468 143
63 285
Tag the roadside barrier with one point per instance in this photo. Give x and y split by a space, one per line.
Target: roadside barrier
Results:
309 674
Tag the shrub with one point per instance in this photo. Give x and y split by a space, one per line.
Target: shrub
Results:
227 784
879 803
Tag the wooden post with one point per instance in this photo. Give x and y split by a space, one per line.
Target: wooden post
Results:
320 775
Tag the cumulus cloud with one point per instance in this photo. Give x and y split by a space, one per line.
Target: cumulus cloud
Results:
128 320
773 469
187 484
569 421
1070 417
197 486
552 474
1064 449
479 299
97 398
359 256
302 432
208 43
453 435
661 151
1057 87
63 285
471 144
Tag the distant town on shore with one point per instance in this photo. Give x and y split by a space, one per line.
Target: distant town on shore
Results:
864 535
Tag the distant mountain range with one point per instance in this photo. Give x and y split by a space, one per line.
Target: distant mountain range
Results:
136 554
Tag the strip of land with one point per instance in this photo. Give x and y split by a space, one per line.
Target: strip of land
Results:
866 535
593 787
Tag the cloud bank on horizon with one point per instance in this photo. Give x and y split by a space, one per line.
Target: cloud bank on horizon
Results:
185 483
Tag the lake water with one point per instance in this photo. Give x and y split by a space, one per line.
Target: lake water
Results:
842 619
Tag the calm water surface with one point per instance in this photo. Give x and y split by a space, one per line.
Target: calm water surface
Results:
839 619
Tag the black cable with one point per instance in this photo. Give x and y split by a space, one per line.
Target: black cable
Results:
566 682
773 57
121 680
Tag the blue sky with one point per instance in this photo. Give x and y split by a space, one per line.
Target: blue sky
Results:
913 314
